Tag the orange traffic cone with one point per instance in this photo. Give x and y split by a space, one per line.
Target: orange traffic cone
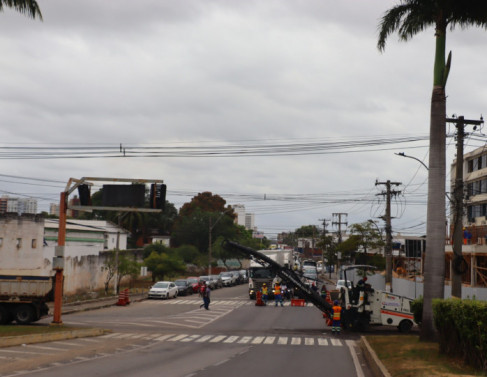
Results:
258 299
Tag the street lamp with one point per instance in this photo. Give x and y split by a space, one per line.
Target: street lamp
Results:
402 154
210 229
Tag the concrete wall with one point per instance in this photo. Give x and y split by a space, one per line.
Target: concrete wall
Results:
21 250
413 290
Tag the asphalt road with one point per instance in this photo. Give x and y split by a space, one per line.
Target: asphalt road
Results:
177 338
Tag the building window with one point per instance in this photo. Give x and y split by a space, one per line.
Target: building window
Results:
34 243
19 243
470 166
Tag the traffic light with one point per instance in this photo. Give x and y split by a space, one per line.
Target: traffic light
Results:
157 198
84 195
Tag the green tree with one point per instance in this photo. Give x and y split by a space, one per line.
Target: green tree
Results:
408 18
189 254
307 231
368 238
162 265
126 266
28 7
205 213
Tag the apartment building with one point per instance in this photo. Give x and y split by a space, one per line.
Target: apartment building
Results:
474 218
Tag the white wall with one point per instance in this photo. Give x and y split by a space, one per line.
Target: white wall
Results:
21 249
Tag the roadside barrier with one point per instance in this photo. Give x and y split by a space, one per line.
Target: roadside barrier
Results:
258 299
123 298
298 302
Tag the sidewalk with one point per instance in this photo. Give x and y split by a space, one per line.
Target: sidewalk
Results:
67 309
103 302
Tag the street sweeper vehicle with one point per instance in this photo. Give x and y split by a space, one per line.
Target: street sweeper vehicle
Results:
361 306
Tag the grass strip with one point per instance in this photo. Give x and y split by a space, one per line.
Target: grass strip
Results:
15 330
406 356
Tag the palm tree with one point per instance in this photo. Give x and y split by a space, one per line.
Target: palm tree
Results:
29 7
408 18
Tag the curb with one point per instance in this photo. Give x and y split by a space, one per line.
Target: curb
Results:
10 341
378 369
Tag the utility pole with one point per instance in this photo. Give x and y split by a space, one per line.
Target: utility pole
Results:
457 270
325 225
340 223
338 216
387 218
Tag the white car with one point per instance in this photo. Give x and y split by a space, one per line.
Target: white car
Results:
228 279
163 289
341 284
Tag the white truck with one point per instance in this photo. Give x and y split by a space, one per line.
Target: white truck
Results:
260 274
23 299
364 306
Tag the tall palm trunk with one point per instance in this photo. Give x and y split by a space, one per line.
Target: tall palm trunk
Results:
436 226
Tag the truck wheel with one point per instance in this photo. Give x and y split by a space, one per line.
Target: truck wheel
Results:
405 326
5 316
24 314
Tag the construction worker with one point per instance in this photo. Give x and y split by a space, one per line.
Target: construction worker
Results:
265 293
278 294
336 325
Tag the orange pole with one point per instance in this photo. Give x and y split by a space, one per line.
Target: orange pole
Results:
61 241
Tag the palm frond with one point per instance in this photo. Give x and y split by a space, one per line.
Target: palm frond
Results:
28 7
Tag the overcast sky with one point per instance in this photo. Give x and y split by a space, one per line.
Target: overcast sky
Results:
217 74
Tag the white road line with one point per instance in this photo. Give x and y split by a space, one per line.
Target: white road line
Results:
21 351
258 340
218 338
282 340
89 340
295 341
136 336
204 338
190 338
309 341
245 340
177 338
109 335
336 342
164 337
66 343
322 342
231 339
356 363
269 340
44 347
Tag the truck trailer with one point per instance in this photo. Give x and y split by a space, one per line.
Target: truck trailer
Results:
265 273
24 299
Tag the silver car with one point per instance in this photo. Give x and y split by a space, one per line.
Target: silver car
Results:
163 289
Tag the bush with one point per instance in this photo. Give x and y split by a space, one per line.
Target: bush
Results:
417 309
462 328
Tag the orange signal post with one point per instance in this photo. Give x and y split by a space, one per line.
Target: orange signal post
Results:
61 241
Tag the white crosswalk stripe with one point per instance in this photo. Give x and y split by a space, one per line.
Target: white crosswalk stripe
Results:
254 340
233 303
234 339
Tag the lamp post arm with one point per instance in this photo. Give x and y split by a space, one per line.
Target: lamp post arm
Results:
402 154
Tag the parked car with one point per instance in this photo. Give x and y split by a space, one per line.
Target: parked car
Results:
206 278
244 275
184 287
163 289
228 279
218 281
195 283
238 278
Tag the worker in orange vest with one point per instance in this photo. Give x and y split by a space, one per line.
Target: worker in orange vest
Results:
336 325
278 294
